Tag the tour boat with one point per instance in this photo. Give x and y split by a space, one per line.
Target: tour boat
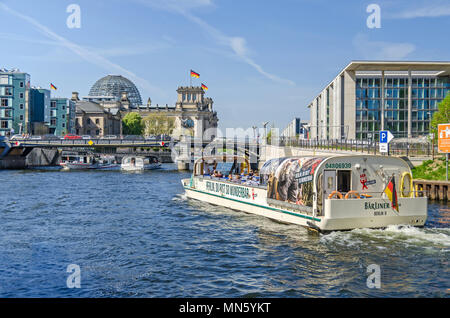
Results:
321 193
79 162
139 163
108 163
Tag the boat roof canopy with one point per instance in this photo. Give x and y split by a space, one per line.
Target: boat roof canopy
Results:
222 158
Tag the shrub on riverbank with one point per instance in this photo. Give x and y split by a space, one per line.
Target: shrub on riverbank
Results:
430 170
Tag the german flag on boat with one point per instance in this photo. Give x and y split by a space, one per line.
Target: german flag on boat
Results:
195 74
204 87
392 193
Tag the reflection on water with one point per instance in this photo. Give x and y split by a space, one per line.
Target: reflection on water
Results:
136 235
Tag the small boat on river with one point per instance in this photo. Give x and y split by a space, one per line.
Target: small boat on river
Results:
89 162
321 193
140 163
79 162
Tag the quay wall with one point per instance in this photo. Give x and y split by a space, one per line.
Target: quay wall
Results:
434 190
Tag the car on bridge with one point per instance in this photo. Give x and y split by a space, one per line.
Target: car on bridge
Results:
71 137
86 137
50 137
109 137
133 137
17 137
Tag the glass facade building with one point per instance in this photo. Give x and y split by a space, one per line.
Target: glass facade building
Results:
369 96
426 93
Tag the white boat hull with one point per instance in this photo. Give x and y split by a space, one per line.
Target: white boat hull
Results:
141 168
338 214
78 166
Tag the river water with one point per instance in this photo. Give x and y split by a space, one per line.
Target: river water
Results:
136 235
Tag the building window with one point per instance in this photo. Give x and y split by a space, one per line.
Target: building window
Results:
21 84
53 122
21 106
8 91
4 124
63 125
97 132
21 117
88 121
4 102
53 104
88 132
97 121
21 95
63 116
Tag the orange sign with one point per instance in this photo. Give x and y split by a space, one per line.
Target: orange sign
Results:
444 138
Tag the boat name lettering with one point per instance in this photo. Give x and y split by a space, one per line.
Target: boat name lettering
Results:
340 165
228 189
376 205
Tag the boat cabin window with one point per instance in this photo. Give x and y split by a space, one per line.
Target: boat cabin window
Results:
233 170
224 167
343 181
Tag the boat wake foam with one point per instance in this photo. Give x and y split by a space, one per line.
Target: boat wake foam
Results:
407 235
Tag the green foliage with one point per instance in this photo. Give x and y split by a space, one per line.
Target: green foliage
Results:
269 136
442 116
132 124
158 124
430 170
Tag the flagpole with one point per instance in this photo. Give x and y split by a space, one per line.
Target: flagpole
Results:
190 78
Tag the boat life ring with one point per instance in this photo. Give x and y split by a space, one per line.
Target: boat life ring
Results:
337 193
354 194
406 186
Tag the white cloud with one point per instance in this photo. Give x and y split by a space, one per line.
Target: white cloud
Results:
380 50
84 53
235 43
431 11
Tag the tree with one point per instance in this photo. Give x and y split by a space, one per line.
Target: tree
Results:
158 124
132 124
442 116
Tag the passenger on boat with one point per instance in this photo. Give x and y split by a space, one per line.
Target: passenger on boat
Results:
217 174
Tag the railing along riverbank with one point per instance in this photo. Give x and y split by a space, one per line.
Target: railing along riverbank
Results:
398 148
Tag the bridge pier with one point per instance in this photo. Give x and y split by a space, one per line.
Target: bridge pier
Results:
183 165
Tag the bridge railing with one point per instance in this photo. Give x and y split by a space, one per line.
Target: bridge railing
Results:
92 142
401 148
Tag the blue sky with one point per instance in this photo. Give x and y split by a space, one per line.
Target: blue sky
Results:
262 60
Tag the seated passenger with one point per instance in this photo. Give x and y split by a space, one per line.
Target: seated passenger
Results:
218 174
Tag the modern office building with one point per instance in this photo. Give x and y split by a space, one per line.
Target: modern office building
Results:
62 116
39 106
296 129
15 111
369 96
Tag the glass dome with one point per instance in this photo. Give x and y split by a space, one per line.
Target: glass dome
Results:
114 85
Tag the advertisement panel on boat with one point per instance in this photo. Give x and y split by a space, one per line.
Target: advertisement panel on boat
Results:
291 179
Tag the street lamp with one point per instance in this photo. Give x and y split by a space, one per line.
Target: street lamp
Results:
265 130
